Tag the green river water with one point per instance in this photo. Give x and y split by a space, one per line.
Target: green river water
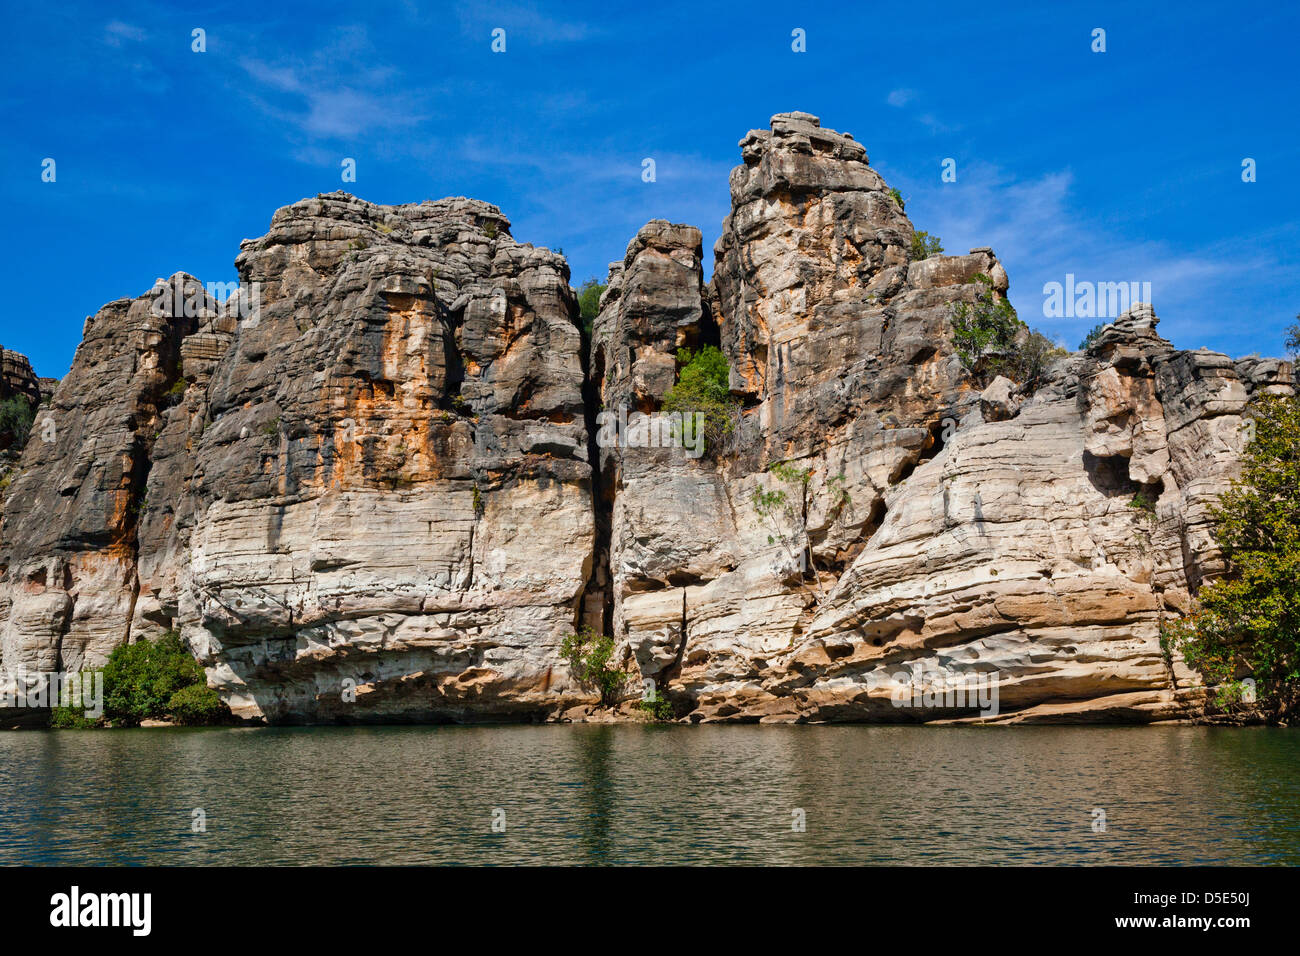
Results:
637 794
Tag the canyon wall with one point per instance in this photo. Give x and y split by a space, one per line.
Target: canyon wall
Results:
377 488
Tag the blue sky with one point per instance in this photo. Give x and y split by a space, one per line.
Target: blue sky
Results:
1115 166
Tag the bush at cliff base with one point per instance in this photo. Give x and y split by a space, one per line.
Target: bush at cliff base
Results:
591 656
71 718
1248 622
196 705
157 679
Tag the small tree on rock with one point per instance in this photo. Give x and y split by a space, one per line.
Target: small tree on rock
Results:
990 339
1248 621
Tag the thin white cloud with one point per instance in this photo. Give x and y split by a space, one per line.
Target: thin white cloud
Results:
117 33
903 96
522 22
337 93
1040 234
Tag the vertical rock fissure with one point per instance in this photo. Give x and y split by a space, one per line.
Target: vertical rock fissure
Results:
141 466
600 583
675 668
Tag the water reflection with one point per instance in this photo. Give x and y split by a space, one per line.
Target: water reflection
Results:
602 794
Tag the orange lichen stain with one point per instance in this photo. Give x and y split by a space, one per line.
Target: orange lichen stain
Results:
118 510
121 523
384 429
110 559
850 259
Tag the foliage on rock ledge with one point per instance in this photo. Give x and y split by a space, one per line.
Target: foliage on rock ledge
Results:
1248 622
703 386
925 245
786 517
991 340
591 656
1093 334
16 416
589 294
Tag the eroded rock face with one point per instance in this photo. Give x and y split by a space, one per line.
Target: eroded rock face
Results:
74 502
931 533
377 486
394 489
19 388
374 486
17 377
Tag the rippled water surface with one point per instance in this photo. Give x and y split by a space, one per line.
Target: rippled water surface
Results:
582 794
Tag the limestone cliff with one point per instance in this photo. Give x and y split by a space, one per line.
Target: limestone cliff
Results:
376 490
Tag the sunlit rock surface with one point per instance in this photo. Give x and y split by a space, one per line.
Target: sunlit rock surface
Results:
379 490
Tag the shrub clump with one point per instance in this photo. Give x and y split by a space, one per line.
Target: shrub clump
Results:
703 386
156 680
591 656
589 294
196 705
1144 504
71 718
16 415
658 708
1092 336
1248 622
991 340
925 245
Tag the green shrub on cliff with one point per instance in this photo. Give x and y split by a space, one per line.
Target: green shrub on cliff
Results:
990 339
1248 622
144 681
16 415
986 330
591 656
589 294
925 245
1092 336
703 386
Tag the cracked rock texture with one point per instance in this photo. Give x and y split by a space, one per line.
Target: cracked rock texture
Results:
375 492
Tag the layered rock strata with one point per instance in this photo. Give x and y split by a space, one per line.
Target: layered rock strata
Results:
375 486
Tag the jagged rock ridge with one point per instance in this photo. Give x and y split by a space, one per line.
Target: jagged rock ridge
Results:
379 496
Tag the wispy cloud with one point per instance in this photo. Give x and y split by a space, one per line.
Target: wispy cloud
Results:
524 22
904 96
117 33
338 92
1041 234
